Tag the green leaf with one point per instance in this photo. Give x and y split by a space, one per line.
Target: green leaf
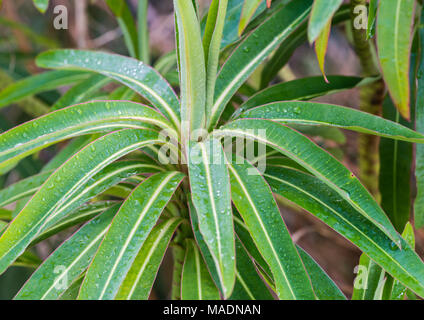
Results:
196 282
372 15
312 113
249 8
253 50
203 247
132 73
243 233
67 262
398 291
419 105
321 45
62 184
78 216
22 188
316 197
394 39
91 117
192 69
212 45
289 45
72 292
139 279
102 181
3 225
368 282
324 287
143 31
5 214
127 24
302 89
68 151
321 14
395 172
128 232
210 187
38 83
81 92
305 152
249 285
253 199
41 5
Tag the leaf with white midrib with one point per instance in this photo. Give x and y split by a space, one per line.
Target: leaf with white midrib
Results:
140 278
82 119
210 187
316 197
131 72
129 230
249 54
305 152
74 256
57 190
255 203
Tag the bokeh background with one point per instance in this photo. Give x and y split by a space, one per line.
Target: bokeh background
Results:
24 32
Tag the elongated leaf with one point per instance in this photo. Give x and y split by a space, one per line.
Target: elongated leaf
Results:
139 280
22 189
395 172
324 287
38 83
398 291
192 68
243 233
196 282
106 178
368 281
72 292
253 50
143 31
212 45
3 225
372 15
322 12
249 8
132 73
210 187
81 92
82 214
321 45
289 45
127 24
302 89
61 185
253 199
316 197
92 117
394 39
68 151
419 105
249 285
128 232
312 113
203 247
318 162
67 262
